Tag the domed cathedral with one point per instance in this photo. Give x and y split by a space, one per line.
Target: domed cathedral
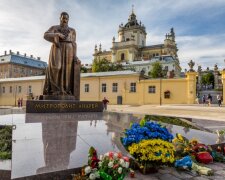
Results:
131 51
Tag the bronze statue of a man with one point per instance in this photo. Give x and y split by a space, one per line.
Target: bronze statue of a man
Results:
60 74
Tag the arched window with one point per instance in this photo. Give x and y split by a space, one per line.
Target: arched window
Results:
122 56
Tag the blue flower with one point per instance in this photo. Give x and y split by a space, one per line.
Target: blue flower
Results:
150 130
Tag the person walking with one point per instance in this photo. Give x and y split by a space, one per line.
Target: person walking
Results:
209 99
197 99
21 102
218 97
105 102
18 102
203 99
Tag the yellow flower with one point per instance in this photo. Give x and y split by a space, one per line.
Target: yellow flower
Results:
180 137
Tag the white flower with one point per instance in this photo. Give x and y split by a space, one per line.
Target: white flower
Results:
110 164
123 164
106 154
101 157
92 176
120 170
87 170
121 161
99 163
127 164
97 174
115 155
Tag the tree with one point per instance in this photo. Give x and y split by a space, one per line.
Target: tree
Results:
157 70
208 79
83 69
100 65
104 65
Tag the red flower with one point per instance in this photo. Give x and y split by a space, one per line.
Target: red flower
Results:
120 155
126 159
115 166
111 154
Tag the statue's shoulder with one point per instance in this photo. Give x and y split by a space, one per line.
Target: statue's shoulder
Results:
72 29
54 27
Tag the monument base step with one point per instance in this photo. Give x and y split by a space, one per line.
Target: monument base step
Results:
62 106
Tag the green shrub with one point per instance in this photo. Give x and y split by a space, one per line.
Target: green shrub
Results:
5 142
170 120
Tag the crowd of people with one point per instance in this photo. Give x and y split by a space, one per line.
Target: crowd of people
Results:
207 99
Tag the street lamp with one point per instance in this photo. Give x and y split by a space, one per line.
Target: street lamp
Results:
15 94
224 62
160 91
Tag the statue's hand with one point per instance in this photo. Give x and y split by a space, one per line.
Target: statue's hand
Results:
76 60
60 35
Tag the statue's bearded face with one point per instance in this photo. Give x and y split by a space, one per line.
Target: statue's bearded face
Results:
64 19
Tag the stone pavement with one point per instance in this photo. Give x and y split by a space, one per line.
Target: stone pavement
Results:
180 110
208 117
170 173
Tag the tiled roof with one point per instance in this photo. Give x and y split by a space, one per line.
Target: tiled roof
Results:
163 58
109 73
22 60
153 46
22 79
166 58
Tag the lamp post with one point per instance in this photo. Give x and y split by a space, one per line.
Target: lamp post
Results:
224 62
15 94
160 91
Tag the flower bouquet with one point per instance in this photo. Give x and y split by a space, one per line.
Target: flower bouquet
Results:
193 151
110 166
150 144
182 146
113 166
201 152
186 163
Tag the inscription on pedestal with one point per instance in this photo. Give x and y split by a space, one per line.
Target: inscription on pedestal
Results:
60 106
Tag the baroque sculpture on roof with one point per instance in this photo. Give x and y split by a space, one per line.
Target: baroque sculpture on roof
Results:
131 50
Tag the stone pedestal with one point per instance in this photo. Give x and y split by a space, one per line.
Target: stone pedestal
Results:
55 97
62 106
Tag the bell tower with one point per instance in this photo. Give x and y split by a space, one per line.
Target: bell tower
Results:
170 44
131 37
132 31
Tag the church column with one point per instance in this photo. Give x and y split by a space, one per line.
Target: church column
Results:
131 55
113 51
113 56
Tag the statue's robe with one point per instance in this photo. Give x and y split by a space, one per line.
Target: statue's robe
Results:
60 71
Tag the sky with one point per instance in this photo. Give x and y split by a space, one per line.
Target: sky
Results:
199 26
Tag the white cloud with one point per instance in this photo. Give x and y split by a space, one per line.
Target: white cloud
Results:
204 50
23 23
